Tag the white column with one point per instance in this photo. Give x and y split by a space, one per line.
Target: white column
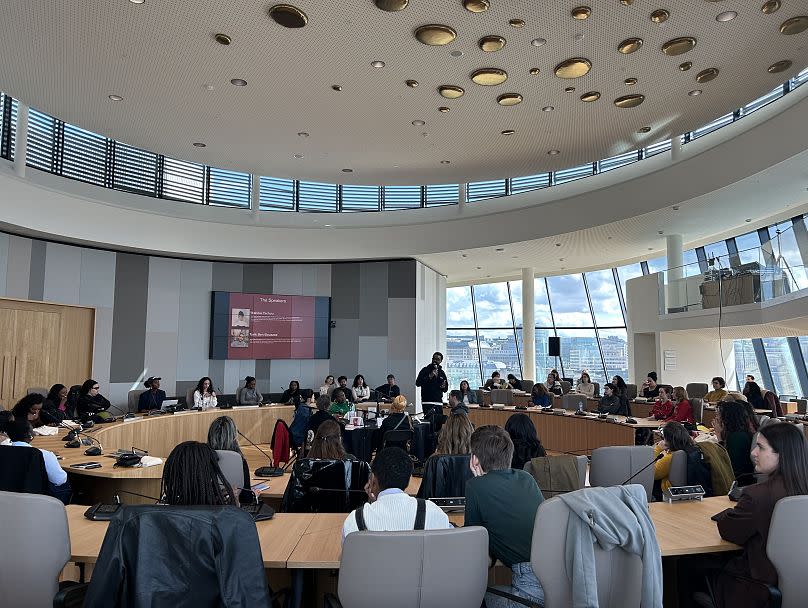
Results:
676 283
461 198
21 151
528 326
676 148
255 195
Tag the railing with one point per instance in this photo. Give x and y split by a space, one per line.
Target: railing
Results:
66 150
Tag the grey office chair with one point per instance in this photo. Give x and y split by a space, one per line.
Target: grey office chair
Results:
678 472
37 548
572 402
612 466
500 396
189 397
580 463
802 406
697 403
597 389
786 549
132 398
232 467
527 385
619 573
697 389
480 394
413 569
566 387
41 390
631 391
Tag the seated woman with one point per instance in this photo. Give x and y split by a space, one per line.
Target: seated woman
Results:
455 434
493 382
21 433
328 386
676 437
611 402
327 444
29 408
92 404
540 396
360 389
526 443
553 383
731 426
620 386
292 395
469 396
585 386
514 383
663 407
398 420
6 418
781 453
204 395
682 410
754 396
341 405
192 477
223 435
318 417
54 408
719 390
250 395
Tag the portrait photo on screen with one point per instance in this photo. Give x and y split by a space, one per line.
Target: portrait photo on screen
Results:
240 338
240 317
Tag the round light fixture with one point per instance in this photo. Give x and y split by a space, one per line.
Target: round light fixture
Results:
517 23
347 170
629 45
435 34
288 16
239 82
450 91
302 134
780 66
509 99
573 68
554 153
795 25
660 16
644 130
137 1
678 46
581 12
629 101
538 42
535 71
591 96
707 75
726 16
443 109
456 54
569 89
377 64
476 6
199 144
115 98
445 162
508 132
223 39
772 6
207 87
392 6
491 44
489 77
418 123
298 156
547 109
684 67
411 83
336 87
695 93
630 82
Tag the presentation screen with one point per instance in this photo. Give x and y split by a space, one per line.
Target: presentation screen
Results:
269 326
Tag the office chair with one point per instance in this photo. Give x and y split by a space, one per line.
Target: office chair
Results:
697 403
445 476
614 465
697 389
326 486
132 398
413 569
502 396
232 466
22 470
580 467
401 438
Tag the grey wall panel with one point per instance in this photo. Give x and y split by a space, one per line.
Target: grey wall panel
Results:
97 278
401 328
118 394
102 344
216 373
4 243
372 299
62 282
183 386
129 317
36 278
163 303
287 279
232 376
161 359
18 273
194 322
282 371
345 347
345 291
227 276
262 372
317 280
313 372
405 371
257 278
245 368
373 363
401 279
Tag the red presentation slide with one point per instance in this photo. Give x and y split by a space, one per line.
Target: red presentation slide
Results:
271 327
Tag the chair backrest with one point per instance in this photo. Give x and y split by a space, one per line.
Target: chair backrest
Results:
597 389
697 389
37 547
612 466
580 464
40 390
572 402
697 403
527 385
631 391
232 467
401 438
785 548
238 394
412 568
566 387
445 476
189 397
802 406
619 573
502 396
678 472
132 398
326 486
22 470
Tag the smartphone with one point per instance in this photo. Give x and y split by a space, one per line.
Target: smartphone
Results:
86 465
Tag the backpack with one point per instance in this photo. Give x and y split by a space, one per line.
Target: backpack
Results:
698 470
300 423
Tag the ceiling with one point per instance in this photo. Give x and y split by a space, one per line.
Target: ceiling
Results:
160 56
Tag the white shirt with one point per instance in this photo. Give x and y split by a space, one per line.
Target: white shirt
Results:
206 401
361 392
56 475
394 511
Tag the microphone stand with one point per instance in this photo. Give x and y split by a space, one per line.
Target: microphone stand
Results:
269 471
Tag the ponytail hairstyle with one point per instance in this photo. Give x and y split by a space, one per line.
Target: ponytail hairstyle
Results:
327 444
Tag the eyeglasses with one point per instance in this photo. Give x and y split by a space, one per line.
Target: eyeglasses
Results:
95 388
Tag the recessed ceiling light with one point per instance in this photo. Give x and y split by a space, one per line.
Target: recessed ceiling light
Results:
479 267
644 130
223 39
199 144
418 123
534 71
726 16
464 255
239 82
347 170
298 156
660 232
445 162
650 249
500 249
581 12
115 98
538 42
676 207
508 132
517 22
137 1
336 87
443 109
560 259
327 225
558 244
456 54
424 134
569 89
630 81
411 83
377 64
207 87
302 134
747 220
553 152
547 109
513 257
695 92
288 16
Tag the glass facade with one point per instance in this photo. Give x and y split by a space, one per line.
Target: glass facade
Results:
588 312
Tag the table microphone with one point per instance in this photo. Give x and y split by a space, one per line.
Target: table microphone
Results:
658 456
117 499
269 471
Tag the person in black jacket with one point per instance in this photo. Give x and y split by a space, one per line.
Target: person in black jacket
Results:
398 420
612 402
433 382
54 408
91 403
151 399
389 390
292 395
318 417
526 442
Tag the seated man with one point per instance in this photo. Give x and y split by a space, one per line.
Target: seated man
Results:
493 382
611 402
21 433
509 523
346 390
389 390
153 398
389 508
341 405
650 388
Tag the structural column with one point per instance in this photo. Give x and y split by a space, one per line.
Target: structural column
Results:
528 326
676 148
676 271
255 195
21 151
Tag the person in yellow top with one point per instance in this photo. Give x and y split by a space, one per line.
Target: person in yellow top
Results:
719 391
674 437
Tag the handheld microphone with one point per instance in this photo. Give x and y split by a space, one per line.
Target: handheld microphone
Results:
658 456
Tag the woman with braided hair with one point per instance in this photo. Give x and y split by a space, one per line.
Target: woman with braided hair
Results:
192 476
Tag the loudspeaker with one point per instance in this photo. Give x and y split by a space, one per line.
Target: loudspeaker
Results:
553 346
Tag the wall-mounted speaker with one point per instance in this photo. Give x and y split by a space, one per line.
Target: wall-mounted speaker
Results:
554 346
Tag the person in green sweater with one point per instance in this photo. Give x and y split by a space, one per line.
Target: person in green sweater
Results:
509 523
341 405
732 428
